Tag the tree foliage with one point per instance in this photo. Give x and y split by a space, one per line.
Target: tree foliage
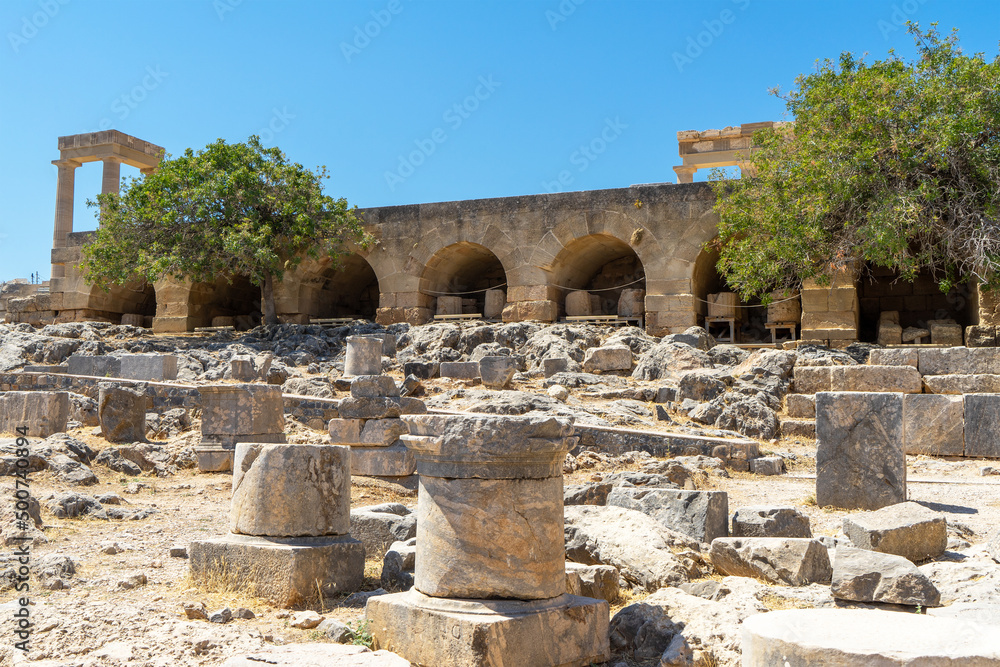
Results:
228 210
893 164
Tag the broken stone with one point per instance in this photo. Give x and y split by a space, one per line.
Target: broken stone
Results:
907 529
777 560
861 575
766 521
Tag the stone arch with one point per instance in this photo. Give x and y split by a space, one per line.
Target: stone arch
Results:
458 276
348 288
225 302
133 302
601 264
706 279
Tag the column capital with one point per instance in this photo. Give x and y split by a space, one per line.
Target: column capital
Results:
112 159
685 174
67 163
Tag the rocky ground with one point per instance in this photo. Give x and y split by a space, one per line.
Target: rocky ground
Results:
110 581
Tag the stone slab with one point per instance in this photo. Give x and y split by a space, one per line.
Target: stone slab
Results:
900 356
459 370
214 458
860 462
865 637
962 384
907 529
345 431
800 406
285 571
703 515
608 358
393 461
363 356
790 561
933 424
421 370
902 379
381 432
122 412
41 412
944 361
98 366
567 631
982 425
380 408
373 386
812 379
800 428
770 521
150 367
497 372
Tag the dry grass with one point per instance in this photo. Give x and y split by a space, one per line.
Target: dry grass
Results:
221 588
627 596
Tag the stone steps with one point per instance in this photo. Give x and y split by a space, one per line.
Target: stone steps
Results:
803 428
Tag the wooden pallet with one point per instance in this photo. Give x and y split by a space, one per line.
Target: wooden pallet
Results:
774 326
613 320
459 318
331 321
726 323
213 329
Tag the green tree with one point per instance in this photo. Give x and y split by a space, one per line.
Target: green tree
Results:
229 210
893 163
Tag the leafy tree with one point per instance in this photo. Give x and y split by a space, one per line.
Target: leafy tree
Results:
229 210
893 164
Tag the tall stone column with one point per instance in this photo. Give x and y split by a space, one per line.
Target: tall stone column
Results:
64 209
111 182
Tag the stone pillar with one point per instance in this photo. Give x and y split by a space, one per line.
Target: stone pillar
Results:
64 209
111 181
496 300
490 581
234 413
290 524
364 356
685 174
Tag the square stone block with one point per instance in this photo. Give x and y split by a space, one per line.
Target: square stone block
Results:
982 425
286 571
393 461
553 365
214 459
703 515
382 432
860 462
812 379
800 406
902 379
933 424
979 335
984 360
944 361
567 631
345 431
152 367
99 366
461 370
945 333
42 412
962 384
901 356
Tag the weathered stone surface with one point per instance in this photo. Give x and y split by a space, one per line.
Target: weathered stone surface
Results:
380 408
703 515
943 361
637 544
902 379
980 336
373 386
382 432
422 370
99 366
982 425
962 384
392 461
364 356
553 365
861 575
915 334
700 385
608 358
241 412
317 655
578 304
767 465
291 490
889 333
777 560
586 494
903 356
43 413
459 370
497 372
945 332
242 369
798 428
592 581
933 424
668 358
812 379
864 637
153 367
286 571
859 455
378 526
398 565
122 413
568 631
631 303
800 406
345 431
983 361
768 521
908 529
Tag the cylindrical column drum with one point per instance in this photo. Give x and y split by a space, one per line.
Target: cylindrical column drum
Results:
364 356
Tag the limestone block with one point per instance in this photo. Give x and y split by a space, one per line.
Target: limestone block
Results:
864 637
593 581
378 526
704 515
214 458
890 334
989 307
815 300
903 356
373 386
461 370
983 360
832 325
800 406
274 483
122 413
981 335
41 412
962 384
388 342
381 432
553 365
345 431
784 307
132 319
245 412
934 424
392 461
364 356
608 358
902 379
982 425
99 366
286 571
154 367
767 465
859 455
945 332
907 529
770 521
420 370
912 334
724 304
380 408
449 305
578 304
943 361
861 575
524 311
812 379
242 368
777 560
568 631
631 303
495 301
497 372
843 299
223 321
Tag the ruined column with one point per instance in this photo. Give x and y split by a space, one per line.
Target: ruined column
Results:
490 581
364 356
111 181
64 209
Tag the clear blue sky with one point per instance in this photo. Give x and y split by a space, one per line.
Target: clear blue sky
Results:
533 82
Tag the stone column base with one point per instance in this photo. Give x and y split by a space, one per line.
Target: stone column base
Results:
393 461
287 571
566 631
214 458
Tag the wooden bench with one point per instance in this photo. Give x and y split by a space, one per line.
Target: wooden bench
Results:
331 321
727 324
213 329
774 326
613 320
459 318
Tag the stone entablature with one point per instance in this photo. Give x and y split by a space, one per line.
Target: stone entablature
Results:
708 149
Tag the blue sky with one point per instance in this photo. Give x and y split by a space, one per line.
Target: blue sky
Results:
409 101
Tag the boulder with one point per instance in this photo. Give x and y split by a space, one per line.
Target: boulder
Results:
593 581
398 565
667 359
702 515
777 560
861 575
907 529
700 385
749 417
608 358
770 521
497 372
